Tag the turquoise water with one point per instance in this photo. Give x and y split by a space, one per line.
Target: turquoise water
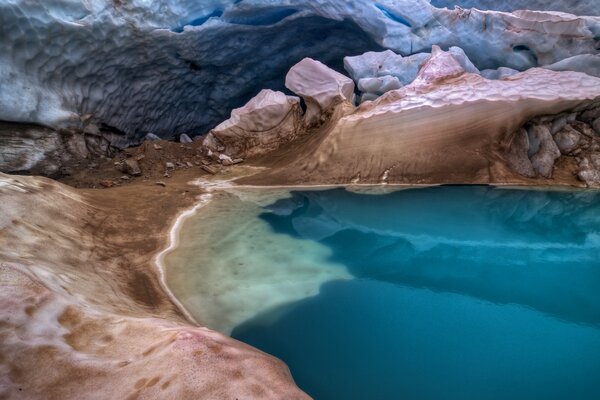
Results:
454 293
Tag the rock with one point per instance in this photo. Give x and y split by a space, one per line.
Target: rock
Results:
189 164
596 126
567 139
169 165
589 176
544 150
124 178
535 135
225 159
161 183
269 120
595 161
140 157
184 138
106 183
517 155
43 151
584 129
213 155
157 146
237 161
558 124
151 137
208 169
590 115
438 67
319 86
131 167
98 145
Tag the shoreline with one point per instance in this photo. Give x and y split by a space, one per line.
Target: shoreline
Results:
210 186
173 242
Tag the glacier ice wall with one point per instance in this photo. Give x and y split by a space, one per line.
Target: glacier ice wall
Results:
578 7
175 66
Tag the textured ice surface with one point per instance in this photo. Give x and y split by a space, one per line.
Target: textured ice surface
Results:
180 66
579 7
319 86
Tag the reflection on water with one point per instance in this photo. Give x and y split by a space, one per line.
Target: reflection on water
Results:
438 293
533 248
461 293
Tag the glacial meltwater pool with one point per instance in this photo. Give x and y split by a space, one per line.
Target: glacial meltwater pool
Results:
453 292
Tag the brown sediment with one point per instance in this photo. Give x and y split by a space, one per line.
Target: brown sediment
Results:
83 311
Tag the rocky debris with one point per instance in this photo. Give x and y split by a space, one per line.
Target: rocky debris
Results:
151 162
569 134
225 159
43 151
596 125
209 169
184 138
517 155
131 167
106 183
266 122
544 149
161 183
169 165
590 170
319 86
157 146
567 139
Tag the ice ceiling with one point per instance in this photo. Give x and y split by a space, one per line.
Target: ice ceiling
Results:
175 66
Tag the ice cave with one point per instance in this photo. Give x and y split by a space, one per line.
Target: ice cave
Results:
294 199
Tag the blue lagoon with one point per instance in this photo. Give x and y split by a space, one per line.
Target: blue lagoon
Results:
453 292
